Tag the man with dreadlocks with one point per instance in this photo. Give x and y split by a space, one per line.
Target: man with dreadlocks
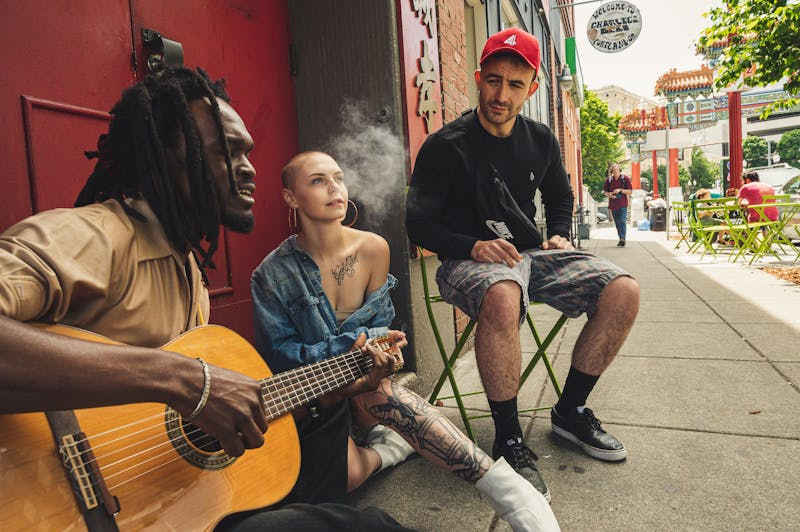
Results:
171 170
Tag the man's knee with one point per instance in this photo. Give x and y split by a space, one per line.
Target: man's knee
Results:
501 302
622 293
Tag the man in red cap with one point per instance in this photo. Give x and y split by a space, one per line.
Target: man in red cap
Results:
471 201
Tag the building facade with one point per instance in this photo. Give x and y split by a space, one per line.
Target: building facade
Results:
622 101
366 80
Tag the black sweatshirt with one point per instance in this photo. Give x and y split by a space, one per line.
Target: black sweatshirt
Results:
440 208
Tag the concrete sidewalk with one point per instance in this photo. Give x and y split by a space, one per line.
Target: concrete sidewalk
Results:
705 394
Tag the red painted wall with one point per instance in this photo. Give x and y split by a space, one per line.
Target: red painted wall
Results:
76 61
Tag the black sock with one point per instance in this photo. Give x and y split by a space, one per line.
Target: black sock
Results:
576 390
506 420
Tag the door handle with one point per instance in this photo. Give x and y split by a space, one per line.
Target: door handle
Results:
162 52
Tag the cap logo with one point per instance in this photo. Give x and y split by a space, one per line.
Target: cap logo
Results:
511 41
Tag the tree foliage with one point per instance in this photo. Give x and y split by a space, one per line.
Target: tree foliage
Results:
601 143
702 172
759 45
755 151
789 148
647 179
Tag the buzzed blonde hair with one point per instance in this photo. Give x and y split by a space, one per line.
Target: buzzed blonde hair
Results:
288 173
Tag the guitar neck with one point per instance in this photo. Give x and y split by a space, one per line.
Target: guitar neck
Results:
294 388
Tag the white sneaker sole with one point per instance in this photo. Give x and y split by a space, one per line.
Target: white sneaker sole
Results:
595 452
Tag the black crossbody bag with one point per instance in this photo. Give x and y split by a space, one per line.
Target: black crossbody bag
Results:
499 214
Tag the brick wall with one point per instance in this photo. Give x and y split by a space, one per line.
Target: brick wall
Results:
452 55
453 59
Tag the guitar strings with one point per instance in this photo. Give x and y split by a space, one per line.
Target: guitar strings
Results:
286 378
211 441
367 364
280 377
290 377
175 458
283 380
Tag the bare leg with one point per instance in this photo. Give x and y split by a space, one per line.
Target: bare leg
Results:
441 443
362 462
604 333
497 348
431 434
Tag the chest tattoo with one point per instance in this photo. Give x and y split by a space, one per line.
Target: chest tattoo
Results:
346 267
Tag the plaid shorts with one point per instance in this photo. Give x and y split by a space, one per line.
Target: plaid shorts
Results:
569 281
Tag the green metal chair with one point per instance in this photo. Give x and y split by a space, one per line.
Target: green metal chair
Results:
680 215
787 210
449 359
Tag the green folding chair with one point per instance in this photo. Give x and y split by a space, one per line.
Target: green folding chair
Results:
707 219
449 359
787 210
680 216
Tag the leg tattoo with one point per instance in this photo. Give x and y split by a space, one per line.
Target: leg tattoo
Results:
429 432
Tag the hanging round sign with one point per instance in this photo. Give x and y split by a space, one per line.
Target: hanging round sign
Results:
614 26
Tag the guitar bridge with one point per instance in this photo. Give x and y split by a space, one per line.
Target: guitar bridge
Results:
82 469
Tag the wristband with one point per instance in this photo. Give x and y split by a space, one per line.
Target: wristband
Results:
206 392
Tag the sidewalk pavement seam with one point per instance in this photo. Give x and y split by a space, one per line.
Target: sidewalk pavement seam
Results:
710 359
725 321
700 431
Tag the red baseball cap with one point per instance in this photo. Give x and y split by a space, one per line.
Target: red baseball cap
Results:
515 41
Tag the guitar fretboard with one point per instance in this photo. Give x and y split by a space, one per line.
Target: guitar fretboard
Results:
294 388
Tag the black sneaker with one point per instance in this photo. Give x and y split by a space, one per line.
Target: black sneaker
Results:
585 430
523 461
621 243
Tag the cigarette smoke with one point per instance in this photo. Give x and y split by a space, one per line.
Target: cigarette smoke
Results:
373 161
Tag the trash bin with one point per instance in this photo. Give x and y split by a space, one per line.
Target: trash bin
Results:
658 218
583 231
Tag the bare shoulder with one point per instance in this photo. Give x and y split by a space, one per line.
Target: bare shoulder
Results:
369 245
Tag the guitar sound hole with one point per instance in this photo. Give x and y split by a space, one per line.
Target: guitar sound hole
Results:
194 445
200 439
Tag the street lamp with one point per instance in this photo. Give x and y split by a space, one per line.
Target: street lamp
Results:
565 80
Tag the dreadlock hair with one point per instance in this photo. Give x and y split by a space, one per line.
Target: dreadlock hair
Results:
148 119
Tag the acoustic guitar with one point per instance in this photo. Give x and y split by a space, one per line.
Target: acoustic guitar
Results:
147 466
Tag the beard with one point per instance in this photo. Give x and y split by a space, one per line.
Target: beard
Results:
241 222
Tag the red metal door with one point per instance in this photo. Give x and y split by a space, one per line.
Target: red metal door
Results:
247 43
65 64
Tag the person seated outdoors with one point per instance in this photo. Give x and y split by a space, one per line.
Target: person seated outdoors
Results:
705 217
172 169
725 237
485 275
752 193
314 295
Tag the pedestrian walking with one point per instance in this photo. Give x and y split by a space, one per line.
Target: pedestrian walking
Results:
617 188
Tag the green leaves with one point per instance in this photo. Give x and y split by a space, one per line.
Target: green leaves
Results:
758 42
789 148
702 171
600 142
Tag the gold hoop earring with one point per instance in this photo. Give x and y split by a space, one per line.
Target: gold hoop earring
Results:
351 224
292 219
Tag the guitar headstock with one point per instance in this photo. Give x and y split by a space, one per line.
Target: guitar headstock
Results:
386 344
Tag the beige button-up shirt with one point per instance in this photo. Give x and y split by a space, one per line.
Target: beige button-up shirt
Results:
96 268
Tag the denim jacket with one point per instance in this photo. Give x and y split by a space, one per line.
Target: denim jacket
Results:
295 323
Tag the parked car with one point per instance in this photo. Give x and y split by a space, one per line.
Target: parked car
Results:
776 175
601 217
792 187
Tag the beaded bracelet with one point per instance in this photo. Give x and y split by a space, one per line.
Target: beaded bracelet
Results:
206 391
